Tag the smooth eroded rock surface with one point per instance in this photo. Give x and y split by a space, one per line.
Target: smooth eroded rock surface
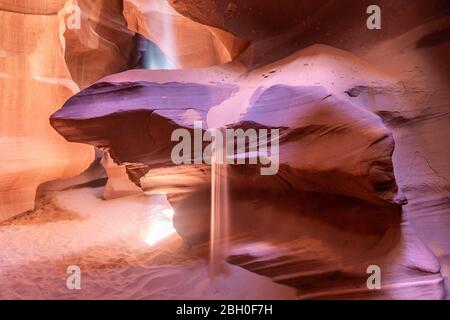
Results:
34 81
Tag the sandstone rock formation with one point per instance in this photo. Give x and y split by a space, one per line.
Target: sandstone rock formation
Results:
279 28
335 191
34 81
41 65
101 45
418 115
119 183
350 156
303 112
363 119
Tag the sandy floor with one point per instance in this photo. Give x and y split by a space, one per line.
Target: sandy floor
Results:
109 241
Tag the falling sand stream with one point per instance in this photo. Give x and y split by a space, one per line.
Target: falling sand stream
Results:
219 234
165 57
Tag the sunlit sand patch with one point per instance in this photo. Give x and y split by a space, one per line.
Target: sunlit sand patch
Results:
161 226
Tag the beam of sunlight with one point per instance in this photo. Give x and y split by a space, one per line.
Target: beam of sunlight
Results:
161 226
163 55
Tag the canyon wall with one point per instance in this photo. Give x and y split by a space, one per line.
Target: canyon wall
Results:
364 115
45 57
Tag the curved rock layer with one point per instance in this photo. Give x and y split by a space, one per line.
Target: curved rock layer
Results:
186 43
312 154
134 122
324 245
313 124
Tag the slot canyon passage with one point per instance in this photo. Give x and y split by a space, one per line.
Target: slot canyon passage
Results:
92 91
